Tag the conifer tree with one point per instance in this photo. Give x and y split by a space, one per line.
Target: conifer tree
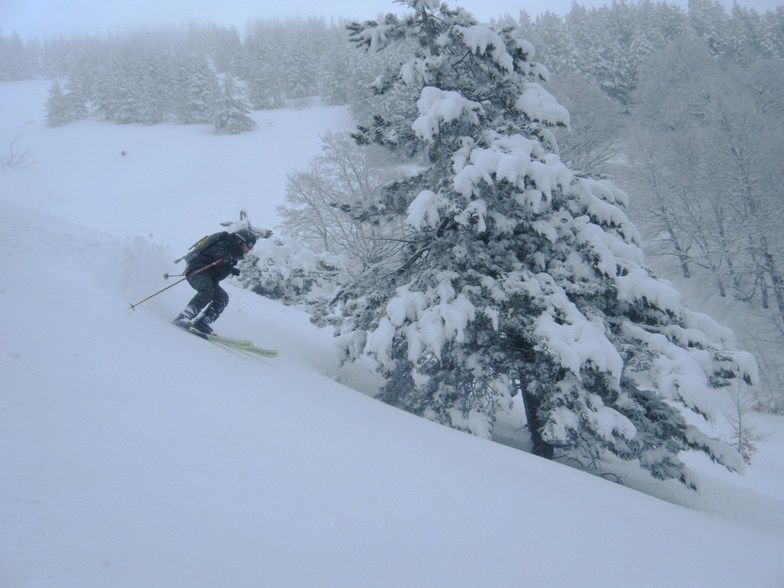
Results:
152 83
14 60
230 111
710 22
517 275
57 111
301 75
64 106
262 67
336 64
195 90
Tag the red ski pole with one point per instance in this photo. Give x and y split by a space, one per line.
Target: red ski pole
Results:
133 306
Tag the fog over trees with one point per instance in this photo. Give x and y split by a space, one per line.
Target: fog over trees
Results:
669 124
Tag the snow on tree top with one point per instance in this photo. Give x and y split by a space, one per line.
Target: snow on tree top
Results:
574 340
430 5
479 37
513 159
576 344
526 46
707 325
539 105
676 373
436 106
376 37
406 306
607 421
424 210
430 320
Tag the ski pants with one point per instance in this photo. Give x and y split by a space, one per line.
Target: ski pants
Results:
209 294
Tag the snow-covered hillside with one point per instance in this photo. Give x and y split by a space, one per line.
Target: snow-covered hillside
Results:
133 454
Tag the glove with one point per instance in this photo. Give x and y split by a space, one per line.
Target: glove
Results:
235 271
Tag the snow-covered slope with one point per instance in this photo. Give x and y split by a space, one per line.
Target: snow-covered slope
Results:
132 454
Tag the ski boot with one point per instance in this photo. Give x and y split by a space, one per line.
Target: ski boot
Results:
202 326
184 319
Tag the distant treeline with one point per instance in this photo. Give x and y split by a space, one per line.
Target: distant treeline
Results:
280 60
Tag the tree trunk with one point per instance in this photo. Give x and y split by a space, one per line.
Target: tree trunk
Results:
677 248
531 401
763 289
775 277
430 31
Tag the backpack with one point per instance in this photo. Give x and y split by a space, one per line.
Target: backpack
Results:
195 250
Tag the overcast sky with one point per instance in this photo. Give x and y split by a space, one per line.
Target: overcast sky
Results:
37 18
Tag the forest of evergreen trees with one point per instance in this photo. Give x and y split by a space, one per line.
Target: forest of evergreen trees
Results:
683 109
171 71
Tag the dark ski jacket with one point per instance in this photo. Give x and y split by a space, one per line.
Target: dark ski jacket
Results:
227 248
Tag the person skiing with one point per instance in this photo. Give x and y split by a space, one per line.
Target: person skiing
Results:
226 249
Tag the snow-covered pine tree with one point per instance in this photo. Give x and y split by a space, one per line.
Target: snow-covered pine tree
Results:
336 64
259 66
518 275
152 79
265 89
64 105
119 97
58 111
194 89
230 110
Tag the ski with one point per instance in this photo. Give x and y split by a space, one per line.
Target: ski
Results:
242 345
220 339
270 353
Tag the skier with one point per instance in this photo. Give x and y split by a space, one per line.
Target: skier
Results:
228 249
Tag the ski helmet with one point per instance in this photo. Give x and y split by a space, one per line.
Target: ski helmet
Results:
246 236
